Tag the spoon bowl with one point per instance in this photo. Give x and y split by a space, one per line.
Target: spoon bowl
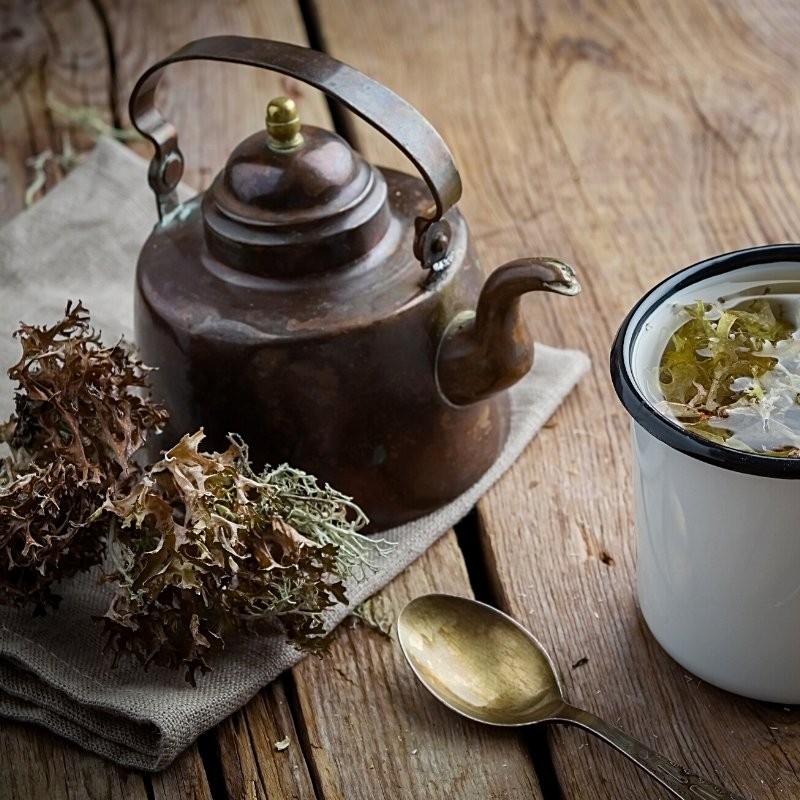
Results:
484 665
478 661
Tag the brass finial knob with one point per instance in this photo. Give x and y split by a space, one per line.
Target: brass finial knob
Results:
283 124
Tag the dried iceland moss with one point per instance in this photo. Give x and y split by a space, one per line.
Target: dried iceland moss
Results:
78 422
198 545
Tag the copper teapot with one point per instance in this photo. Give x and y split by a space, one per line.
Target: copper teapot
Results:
325 309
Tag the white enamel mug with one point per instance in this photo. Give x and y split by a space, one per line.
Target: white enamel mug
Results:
718 529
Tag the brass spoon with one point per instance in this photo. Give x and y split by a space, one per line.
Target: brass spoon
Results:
484 665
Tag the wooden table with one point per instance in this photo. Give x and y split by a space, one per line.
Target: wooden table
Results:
630 138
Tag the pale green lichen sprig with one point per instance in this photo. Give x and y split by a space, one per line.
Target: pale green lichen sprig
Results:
204 548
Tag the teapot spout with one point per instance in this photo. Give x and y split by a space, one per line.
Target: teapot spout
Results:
490 349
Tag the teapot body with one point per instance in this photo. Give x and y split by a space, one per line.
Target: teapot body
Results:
331 371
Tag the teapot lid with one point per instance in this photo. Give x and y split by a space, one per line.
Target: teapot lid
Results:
294 201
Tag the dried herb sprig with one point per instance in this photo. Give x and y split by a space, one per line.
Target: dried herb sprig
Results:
84 120
204 547
78 423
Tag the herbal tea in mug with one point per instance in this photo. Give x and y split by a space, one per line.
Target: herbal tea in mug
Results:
731 374
707 364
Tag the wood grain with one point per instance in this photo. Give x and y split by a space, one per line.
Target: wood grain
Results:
36 765
184 778
373 731
252 766
632 139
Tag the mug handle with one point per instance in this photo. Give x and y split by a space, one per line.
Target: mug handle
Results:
396 119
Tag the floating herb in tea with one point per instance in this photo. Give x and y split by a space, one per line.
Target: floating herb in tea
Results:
732 375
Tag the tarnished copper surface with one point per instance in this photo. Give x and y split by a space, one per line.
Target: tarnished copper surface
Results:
303 211
489 350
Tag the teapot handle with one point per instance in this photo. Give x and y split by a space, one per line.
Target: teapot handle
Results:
380 107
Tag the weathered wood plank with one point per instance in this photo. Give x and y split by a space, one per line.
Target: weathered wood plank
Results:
34 765
632 139
184 778
649 138
373 731
253 767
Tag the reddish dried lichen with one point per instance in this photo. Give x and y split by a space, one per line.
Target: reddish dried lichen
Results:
79 420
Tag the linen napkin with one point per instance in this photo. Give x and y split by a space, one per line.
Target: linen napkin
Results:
81 242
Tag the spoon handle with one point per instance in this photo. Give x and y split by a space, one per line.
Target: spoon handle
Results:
675 778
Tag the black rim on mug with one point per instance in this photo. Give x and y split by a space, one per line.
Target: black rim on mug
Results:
630 392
